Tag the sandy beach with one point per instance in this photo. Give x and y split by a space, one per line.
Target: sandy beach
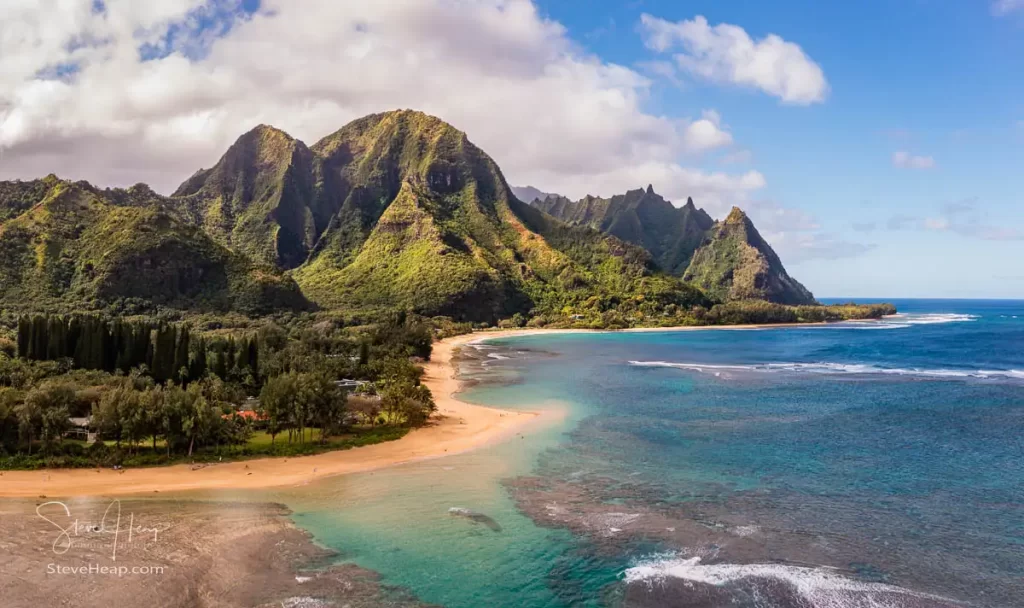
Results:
457 427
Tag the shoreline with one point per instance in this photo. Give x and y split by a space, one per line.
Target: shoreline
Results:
458 427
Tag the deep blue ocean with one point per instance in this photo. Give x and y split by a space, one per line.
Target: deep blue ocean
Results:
874 464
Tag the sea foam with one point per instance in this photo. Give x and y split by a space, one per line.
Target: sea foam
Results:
932 318
839 368
903 321
817 587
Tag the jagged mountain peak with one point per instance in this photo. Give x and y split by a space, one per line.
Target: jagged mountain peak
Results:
528 194
641 217
737 216
736 263
407 124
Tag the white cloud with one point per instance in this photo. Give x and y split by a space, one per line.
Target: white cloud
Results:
726 53
551 114
706 133
906 160
1005 7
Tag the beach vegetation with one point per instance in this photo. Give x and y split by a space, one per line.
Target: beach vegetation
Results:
87 390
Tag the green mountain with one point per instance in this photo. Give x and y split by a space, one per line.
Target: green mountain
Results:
69 245
729 260
394 210
258 199
424 219
401 210
671 234
735 263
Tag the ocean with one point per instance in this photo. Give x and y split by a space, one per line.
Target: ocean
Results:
873 464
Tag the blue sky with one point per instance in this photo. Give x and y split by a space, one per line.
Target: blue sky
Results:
940 79
878 145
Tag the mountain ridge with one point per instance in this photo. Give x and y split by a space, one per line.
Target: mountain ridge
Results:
736 263
687 242
68 243
393 210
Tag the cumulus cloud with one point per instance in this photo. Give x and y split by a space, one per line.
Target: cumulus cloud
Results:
706 133
123 91
725 53
906 160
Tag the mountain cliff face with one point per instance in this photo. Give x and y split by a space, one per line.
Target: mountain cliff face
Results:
729 259
671 234
394 210
258 200
401 210
70 244
735 263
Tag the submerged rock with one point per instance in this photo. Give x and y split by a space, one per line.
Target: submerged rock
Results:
475 517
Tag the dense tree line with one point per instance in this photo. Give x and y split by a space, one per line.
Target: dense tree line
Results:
156 392
168 351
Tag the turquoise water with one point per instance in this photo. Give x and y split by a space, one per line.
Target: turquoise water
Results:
865 464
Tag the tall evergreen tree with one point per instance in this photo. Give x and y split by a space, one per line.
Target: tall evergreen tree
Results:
230 361
39 338
254 357
197 368
24 336
181 354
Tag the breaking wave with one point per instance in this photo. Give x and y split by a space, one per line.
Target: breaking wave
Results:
928 318
800 586
905 320
839 368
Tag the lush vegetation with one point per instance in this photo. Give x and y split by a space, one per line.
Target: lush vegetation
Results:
217 322
638 313
735 263
671 234
395 211
154 393
728 260
67 246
